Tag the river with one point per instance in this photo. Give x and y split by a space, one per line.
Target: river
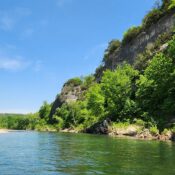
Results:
35 153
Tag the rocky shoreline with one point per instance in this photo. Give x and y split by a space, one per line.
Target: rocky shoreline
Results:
145 135
129 133
132 130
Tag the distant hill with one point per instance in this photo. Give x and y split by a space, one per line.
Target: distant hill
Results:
11 115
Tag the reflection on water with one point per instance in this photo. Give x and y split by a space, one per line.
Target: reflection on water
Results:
34 153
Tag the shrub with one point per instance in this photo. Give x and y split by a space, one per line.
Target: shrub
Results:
173 130
152 17
142 60
74 82
59 122
139 122
113 45
154 86
154 130
120 124
130 34
88 81
171 5
99 71
165 131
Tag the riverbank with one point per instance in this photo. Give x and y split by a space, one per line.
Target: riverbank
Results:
134 131
124 130
137 130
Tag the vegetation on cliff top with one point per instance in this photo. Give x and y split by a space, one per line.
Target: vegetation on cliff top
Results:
161 8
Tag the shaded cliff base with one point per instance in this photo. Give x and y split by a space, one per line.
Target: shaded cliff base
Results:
126 130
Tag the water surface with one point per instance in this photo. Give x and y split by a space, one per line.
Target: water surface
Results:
34 153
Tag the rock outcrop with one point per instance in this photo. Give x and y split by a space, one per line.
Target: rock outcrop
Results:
129 51
69 93
126 52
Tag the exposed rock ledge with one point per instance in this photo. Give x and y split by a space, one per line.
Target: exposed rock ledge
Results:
133 130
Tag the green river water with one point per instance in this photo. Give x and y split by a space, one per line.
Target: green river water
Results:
35 153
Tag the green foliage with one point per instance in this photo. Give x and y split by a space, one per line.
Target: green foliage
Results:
172 5
168 5
96 101
59 122
118 87
154 85
173 130
88 81
74 82
152 17
166 131
171 48
122 125
44 111
130 34
154 130
99 71
72 114
142 60
165 5
113 45
139 122
18 122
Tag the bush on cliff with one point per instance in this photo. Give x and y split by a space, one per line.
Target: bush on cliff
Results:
130 34
113 45
74 82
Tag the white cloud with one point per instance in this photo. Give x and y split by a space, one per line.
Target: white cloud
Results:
61 3
13 64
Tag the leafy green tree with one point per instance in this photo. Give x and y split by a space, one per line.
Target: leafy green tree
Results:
118 89
154 87
172 4
44 111
96 100
72 114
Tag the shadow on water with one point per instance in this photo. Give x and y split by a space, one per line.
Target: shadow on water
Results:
81 154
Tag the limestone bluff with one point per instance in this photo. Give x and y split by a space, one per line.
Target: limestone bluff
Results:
127 52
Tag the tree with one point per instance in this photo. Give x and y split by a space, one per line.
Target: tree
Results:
95 101
118 89
155 85
45 111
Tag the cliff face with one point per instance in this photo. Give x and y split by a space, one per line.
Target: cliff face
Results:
129 51
69 93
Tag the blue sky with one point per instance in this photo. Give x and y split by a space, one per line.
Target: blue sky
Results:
45 42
